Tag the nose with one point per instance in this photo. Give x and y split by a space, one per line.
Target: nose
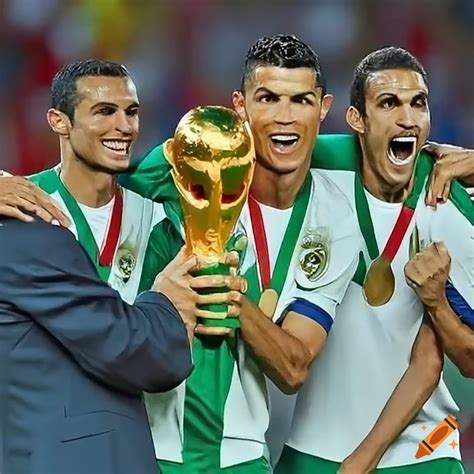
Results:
284 113
406 118
124 123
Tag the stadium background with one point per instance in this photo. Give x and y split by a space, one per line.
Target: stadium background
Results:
182 53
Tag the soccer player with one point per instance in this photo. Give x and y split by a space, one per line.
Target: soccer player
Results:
95 115
298 264
378 386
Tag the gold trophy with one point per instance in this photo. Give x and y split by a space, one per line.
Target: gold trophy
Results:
212 158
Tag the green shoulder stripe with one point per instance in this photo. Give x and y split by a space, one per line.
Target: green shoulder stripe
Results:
151 177
43 180
461 199
336 152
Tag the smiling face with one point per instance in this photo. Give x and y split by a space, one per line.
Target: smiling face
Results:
105 124
395 126
284 110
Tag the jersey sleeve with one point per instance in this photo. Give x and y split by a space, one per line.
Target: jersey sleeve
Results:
336 243
151 177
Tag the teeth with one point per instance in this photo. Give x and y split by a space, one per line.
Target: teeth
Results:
116 145
285 138
405 139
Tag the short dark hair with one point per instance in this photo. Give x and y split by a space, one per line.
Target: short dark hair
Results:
390 57
285 51
64 96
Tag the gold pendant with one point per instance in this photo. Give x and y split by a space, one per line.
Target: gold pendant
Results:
126 264
268 302
379 282
314 258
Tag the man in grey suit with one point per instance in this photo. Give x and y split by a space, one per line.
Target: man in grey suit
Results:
75 358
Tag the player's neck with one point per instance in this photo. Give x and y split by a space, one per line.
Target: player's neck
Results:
88 186
277 190
382 190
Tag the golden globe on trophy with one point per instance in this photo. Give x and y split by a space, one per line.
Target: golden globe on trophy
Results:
212 158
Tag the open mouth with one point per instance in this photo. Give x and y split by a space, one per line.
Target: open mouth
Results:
401 150
120 147
284 142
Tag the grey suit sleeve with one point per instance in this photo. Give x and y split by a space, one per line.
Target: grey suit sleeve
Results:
45 275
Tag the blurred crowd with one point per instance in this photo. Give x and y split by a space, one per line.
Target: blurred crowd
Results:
182 53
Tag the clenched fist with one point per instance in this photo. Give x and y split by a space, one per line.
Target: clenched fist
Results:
427 273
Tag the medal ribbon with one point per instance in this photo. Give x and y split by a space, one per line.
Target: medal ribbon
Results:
399 230
285 254
103 259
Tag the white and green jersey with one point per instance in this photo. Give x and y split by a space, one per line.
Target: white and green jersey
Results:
369 347
90 227
179 415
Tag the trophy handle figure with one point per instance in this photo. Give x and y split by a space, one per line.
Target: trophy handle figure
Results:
212 160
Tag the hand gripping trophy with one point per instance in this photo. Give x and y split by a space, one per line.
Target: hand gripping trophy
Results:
212 158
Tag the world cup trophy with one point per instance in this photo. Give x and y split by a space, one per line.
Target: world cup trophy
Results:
212 160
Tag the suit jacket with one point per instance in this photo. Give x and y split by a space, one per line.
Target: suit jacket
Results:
75 359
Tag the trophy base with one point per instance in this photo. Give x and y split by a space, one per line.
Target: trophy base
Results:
228 322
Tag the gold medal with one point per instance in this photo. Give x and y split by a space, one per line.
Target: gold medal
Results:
314 258
126 263
268 302
379 282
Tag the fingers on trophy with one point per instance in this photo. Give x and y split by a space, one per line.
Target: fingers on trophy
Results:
212 161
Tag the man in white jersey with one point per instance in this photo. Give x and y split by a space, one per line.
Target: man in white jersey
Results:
367 401
298 263
95 114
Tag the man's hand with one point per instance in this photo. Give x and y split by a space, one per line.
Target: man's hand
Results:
18 195
427 273
176 282
232 260
451 162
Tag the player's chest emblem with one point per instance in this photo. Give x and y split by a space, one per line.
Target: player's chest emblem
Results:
314 255
126 262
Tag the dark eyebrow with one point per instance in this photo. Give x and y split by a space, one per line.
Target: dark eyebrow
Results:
386 95
300 94
264 89
113 106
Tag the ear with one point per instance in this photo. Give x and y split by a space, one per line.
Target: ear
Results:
238 100
326 104
168 150
59 122
355 120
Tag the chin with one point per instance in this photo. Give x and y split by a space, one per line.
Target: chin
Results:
287 165
113 167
